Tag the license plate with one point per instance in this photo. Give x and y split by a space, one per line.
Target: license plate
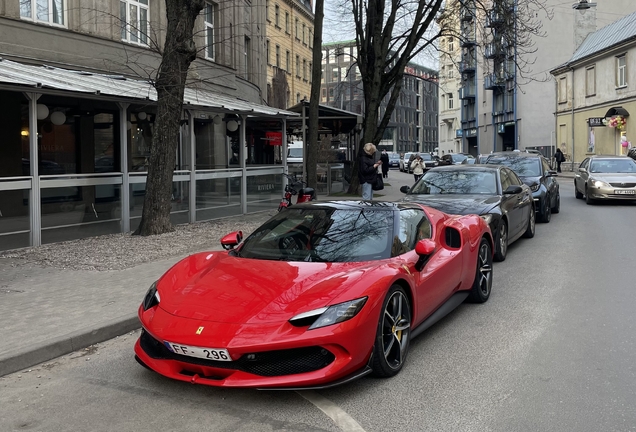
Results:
216 354
623 192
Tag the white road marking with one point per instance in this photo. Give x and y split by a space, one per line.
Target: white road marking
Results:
344 421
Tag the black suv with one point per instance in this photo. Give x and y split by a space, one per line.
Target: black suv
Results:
534 170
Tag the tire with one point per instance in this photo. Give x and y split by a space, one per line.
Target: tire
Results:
577 194
501 245
480 292
557 205
393 334
588 200
531 224
546 216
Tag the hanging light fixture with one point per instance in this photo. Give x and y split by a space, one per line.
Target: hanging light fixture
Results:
583 5
58 118
217 120
232 125
43 111
142 115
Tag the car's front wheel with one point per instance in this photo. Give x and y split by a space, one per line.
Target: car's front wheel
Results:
588 200
557 204
502 241
393 334
577 194
546 215
482 284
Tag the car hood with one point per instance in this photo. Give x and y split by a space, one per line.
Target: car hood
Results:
457 204
614 177
530 180
218 287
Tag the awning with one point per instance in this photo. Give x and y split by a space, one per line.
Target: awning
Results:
617 111
42 78
330 120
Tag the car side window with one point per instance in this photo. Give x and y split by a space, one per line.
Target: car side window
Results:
585 163
413 227
514 178
545 165
505 181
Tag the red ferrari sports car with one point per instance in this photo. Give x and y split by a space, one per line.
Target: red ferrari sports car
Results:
321 294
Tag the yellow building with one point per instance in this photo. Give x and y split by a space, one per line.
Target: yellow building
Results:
290 33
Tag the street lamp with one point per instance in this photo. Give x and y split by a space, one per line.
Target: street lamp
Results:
583 5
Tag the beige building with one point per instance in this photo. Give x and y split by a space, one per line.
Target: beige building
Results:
290 35
596 92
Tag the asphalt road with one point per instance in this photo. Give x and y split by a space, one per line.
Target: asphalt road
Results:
553 350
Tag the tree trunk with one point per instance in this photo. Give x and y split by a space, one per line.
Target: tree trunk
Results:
179 51
314 97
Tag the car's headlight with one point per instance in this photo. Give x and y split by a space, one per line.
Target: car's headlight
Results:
327 316
598 184
535 187
487 218
152 297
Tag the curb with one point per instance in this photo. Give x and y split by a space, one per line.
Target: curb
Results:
18 360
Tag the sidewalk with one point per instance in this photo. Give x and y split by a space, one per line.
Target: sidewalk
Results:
59 298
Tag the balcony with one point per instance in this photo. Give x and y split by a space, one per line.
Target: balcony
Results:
494 50
467 12
468 65
468 39
494 81
495 19
467 92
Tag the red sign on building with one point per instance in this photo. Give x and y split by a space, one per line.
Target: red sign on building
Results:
274 138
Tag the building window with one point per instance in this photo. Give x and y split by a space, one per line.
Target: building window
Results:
297 97
247 57
134 21
298 66
304 39
449 96
267 53
305 69
311 39
211 13
286 22
288 62
451 44
278 56
590 81
621 71
311 72
49 11
297 33
277 15
267 10
563 90
323 95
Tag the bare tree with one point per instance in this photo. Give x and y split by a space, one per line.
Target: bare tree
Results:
314 97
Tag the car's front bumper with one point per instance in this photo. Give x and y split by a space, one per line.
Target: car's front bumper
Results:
611 192
264 356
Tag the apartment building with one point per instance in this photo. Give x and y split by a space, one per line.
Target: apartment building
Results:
77 111
289 46
413 124
506 93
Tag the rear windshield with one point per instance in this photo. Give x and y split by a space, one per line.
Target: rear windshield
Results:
523 167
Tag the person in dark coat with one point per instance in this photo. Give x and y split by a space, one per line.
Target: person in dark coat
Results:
368 170
385 164
559 157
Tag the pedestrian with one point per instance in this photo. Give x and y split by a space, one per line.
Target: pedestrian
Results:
384 157
368 170
559 157
418 167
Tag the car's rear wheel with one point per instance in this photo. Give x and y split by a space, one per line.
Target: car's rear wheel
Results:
546 215
482 285
577 194
557 204
393 334
501 249
531 224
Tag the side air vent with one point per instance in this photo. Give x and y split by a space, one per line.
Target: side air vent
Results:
453 238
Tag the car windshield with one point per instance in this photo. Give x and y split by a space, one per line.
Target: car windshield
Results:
394 156
295 152
458 157
322 235
461 182
426 156
523 167
613 166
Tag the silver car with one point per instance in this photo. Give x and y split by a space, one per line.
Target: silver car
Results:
606 177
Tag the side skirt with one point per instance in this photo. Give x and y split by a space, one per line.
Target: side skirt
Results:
455 300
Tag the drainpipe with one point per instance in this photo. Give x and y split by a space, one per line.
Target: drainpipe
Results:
572 117
516 145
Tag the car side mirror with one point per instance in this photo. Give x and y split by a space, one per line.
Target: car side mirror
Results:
232 239
582 170
513 190
424 248
552 173
405 189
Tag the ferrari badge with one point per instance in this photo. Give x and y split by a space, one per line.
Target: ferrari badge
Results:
200 330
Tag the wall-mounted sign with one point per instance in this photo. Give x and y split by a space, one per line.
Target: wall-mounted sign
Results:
501 128
595 121
274 138
459 133
471 132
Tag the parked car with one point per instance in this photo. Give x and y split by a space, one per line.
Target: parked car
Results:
533 170
606 177
455 158
494 192
394 160
404 161
320 294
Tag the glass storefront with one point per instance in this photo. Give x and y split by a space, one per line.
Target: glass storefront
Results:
264 192
218 197
179 202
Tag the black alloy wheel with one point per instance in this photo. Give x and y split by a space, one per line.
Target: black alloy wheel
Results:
557 204
577 194
531 224
501 248
482 285
393 334
546 215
